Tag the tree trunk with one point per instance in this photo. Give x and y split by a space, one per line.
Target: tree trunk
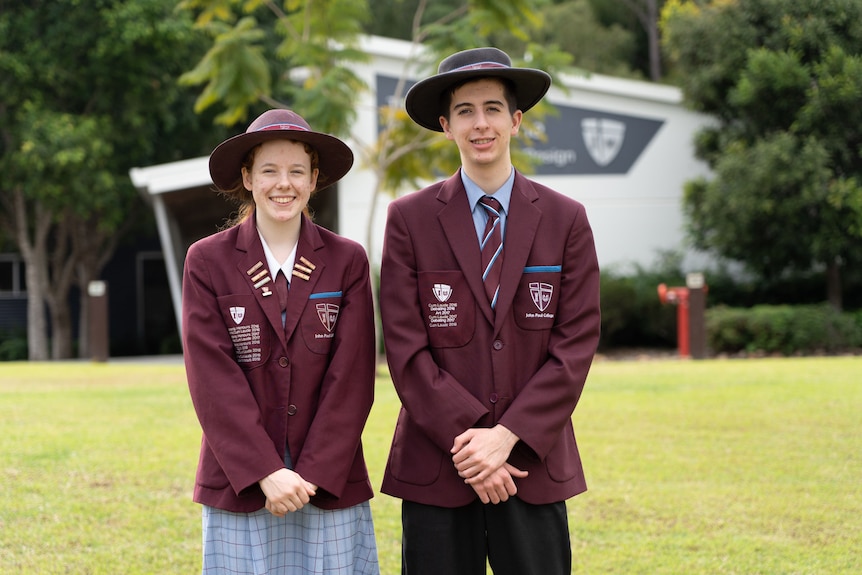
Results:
834 292
37 324
61 274
651 25
34 251
646 12
61 330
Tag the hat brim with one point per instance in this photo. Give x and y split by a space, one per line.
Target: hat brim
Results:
334 156
423 98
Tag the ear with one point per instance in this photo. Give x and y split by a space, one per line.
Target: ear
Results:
246 178
516 121
314 173
444 123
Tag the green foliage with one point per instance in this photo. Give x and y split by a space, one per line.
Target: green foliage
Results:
783 79
260 49
13 346
785 329
574 27
89 91
236 70
632 314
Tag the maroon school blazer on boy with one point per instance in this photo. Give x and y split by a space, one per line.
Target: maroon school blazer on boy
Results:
457 364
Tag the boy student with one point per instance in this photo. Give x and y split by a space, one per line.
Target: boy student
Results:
490 306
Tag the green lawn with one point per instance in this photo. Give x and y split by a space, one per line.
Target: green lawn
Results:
731 467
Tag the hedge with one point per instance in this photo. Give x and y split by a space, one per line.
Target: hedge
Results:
783 329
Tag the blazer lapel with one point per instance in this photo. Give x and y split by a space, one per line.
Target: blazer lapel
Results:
522 223
252 266
457 223
301 288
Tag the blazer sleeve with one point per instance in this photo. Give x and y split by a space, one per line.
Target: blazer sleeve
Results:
433 398
545 404
347 388
224 403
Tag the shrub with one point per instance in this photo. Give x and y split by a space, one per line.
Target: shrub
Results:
632 315
13 347
781 329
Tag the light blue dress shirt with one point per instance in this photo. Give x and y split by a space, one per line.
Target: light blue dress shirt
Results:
480 215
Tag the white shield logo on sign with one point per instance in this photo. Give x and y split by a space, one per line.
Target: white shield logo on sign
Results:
328 314
237 313
541 293
603 138
442 292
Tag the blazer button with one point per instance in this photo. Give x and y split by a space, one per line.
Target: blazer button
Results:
283 361
291 409
494 398
498 345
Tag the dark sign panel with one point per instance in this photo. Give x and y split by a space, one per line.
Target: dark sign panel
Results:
574 140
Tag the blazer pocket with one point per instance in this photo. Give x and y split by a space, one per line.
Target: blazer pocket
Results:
414 458
319 320
210 473
537 298
248 329
448 308
563 462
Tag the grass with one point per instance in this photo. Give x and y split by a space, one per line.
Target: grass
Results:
732 467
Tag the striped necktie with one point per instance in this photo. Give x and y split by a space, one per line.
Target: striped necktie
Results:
281 289
492 249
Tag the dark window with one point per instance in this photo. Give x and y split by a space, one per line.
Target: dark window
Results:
11 275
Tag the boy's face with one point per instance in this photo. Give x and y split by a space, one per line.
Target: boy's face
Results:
481 124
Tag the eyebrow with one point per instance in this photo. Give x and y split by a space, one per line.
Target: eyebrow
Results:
276 164
470 104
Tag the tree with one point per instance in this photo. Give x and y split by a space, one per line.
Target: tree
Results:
642 18
783 80
298 53
647 12
88 92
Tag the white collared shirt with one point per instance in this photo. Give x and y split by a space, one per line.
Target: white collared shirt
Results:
286 267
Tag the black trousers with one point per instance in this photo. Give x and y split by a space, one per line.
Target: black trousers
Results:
516 538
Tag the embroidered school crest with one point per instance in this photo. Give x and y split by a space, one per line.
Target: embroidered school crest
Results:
237 313
328 314
541 293
442 292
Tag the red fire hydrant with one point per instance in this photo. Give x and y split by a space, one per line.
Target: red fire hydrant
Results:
691 303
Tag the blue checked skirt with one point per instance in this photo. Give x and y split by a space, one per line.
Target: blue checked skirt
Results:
311 541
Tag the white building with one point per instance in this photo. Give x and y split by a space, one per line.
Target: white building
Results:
623 148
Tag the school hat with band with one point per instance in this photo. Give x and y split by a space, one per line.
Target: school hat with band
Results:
334 156
423 98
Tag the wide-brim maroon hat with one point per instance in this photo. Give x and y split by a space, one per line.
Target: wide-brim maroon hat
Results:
423 98
334 156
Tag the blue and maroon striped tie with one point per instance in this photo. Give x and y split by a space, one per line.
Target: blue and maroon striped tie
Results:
492 249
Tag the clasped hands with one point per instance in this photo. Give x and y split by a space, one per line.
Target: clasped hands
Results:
480 455
286 491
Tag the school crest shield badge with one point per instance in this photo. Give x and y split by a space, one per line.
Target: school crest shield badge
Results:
328 314
237 314
541 293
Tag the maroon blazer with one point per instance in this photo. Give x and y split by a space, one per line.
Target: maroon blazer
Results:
456 364
257 387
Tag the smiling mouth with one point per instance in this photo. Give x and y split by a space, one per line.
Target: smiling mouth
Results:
282 200
483 141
